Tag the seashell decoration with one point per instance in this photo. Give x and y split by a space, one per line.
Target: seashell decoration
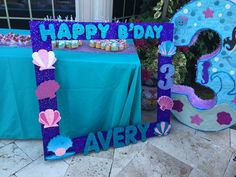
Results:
47 89
162 129
59 145
49 118
167 49
165 102
44 59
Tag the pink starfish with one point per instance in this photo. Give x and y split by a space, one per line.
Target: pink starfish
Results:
234 100
208 13
196 119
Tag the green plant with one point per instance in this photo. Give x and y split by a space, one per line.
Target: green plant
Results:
179 61
173 5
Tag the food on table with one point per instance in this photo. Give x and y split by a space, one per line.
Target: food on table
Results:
71 44
12 39
108 45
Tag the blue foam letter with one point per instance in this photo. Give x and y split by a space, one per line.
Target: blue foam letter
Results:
105 142
78 30
149 32
122 32
91 144
91 30
103 30
47 32
138 32
158 31
64 32
143 130
117 138
130 133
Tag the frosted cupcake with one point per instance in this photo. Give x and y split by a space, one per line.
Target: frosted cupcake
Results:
98 44
54 44
61 44
114 46
68 44
108 47
92 43
103 45
74 44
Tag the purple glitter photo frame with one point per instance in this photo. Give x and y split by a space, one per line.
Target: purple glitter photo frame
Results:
57 146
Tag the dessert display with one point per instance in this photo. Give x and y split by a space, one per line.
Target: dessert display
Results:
109 45
12 39
71 44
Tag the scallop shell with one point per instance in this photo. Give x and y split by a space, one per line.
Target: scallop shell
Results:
49 118
44 59
47 89
167 49
162 129
59 145
165 102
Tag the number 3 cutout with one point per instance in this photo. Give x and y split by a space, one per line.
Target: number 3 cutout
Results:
216 71
168 70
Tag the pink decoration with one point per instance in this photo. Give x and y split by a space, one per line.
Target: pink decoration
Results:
49 118
47 89
234 100
44 59
208 13
178 106
60 151
224 118
165 102
196 119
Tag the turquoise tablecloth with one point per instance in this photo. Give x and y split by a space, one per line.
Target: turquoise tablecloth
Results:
98 91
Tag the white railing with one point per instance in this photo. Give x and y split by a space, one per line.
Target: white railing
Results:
30 17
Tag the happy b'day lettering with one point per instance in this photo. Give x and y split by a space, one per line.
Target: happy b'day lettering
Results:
87 31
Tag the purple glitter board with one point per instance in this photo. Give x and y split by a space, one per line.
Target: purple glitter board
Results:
78 144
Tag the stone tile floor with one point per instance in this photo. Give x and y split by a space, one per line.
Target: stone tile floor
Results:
183 153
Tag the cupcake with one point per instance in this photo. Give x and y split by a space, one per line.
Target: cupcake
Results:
68 44
54 44
108 47
114 46
103 45
61 44
92 43
80 43
74 44
121 46
98 44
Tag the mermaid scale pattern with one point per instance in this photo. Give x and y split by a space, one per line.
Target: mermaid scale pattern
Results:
216 71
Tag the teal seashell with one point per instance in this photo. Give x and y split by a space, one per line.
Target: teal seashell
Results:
162 129
167 49
59 145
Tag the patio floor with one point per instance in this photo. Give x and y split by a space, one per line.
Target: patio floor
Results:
183 153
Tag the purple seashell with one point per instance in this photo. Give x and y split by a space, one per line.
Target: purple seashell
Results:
47 89
224 118
178 106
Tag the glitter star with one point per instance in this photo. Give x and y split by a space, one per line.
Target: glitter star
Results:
234 100
208 13
196 119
